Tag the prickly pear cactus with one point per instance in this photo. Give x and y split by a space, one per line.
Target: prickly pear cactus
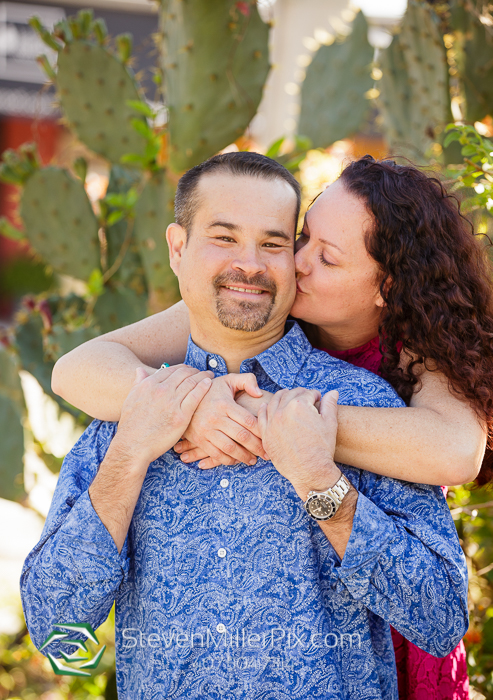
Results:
333 101
153 213
12 413
131 272
94 87
29 345
216 61
118 306
477 69
414 97
59 222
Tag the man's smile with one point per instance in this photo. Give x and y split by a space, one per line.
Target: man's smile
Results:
245 290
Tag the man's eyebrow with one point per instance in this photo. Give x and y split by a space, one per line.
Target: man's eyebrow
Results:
234 227
224 224
280 234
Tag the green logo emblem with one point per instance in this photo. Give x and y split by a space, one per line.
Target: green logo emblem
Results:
83 630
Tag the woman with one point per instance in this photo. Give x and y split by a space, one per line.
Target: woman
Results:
410 298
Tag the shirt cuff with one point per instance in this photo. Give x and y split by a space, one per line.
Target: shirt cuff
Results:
372 533
91 542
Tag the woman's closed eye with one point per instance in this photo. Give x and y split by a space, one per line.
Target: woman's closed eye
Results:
325 262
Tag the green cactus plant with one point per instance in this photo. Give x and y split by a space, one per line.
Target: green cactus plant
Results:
12 412
120 235
216 62
118 306
414 100
62 229
95 87
476 59
153 213
333 95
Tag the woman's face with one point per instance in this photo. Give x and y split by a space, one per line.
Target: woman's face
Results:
337 279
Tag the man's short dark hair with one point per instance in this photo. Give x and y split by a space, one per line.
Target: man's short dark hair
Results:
242 163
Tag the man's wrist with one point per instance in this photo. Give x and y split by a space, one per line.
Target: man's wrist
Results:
126 453
319 481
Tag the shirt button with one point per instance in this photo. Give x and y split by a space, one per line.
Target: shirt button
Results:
213 363
224 483
221 628
221 552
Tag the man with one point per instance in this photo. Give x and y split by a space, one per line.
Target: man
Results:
225 585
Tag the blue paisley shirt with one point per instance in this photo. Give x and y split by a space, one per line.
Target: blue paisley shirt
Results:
226 589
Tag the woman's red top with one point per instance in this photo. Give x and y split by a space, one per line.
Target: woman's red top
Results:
420 676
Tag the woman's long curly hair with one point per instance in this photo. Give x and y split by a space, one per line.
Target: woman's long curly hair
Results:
436 282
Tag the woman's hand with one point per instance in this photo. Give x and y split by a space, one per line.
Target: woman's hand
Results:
221 431
300 440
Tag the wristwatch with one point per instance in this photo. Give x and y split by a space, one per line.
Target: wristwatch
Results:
323 505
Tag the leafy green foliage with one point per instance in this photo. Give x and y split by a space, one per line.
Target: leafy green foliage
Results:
472 510
292 155
333 94
17 166
25 674
475 175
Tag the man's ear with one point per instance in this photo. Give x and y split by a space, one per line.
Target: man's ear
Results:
176 237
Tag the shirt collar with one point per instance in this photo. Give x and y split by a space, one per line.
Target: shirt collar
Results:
281 362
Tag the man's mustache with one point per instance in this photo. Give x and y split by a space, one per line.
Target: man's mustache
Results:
234 279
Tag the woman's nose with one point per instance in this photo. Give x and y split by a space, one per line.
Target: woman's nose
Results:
302 262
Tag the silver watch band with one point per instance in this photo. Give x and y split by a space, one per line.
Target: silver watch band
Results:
340 489
323 505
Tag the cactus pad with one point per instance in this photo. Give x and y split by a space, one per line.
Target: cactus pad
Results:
477 74
60 223
414 86
333 102
117 307
94 87
11 416
153 213
216 61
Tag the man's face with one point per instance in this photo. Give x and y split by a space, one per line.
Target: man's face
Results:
238 264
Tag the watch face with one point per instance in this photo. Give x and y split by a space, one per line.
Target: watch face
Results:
321 507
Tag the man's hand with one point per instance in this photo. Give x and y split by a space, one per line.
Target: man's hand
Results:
220 429
300 440
155 413
158 409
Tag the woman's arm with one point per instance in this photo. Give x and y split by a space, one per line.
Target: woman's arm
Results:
437 440
97 376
